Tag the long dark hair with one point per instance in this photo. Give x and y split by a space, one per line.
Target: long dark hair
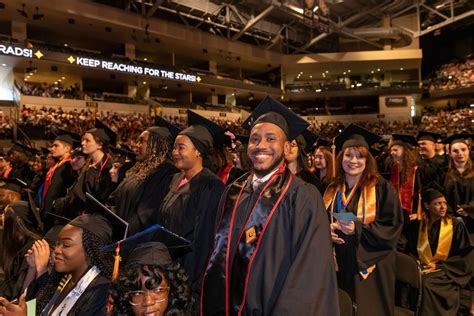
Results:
16 235
92 245
180 295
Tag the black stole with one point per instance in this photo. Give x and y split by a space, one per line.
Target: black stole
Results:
227 275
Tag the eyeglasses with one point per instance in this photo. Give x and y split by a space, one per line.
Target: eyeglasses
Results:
159 294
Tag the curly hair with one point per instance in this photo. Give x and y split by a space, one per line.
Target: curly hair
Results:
156 152
180 296
92 245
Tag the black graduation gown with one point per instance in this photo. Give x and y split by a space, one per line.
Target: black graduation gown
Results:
441 289
94 180
137 200
371 244
459 190
63 178
190 212
310 178
92 302
432 172
11 287
292 272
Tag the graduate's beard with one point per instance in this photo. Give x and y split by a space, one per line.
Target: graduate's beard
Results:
263 172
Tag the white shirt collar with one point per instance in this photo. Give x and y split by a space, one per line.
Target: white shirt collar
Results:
265 178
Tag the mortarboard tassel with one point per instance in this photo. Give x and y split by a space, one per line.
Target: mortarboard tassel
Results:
115 273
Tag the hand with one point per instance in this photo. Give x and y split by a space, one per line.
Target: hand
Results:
30 258
42 254
461 211
413 217
335 238
430 267
10 309
348 228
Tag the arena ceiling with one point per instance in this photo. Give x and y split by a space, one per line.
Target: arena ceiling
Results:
281 26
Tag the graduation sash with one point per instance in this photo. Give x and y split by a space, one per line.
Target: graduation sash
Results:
221 265
70 300
405 188
444 241
366 206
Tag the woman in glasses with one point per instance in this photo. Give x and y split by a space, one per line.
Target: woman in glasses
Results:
151 284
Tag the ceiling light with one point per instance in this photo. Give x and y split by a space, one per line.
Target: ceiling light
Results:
348 70
371 71
25 79
144 82
28 77
318 90
4 65
344 73
401 68
378 69
145 59
55 82
59 80
66 45
327 71
63 78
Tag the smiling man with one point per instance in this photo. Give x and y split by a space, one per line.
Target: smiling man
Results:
272 251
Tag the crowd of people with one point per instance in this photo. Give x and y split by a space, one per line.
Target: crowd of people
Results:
452 76
57 90
128 125
196 218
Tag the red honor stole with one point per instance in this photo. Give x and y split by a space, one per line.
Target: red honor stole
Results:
405 188
50 173
220 264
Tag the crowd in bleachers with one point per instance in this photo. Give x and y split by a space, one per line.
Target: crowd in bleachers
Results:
128 125
52 90
452 76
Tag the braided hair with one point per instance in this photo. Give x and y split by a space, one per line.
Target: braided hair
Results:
92 245
180 296
156 152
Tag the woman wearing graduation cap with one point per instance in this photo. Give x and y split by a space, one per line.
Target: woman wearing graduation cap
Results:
151 280
405 176
19 235
79 282
441 243
366 224
140 194
95 178
297 158
190 207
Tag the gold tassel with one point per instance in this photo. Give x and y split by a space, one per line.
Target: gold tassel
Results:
115 273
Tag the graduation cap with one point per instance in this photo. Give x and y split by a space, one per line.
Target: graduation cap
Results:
103 223
28 151
430 136
323 142
45 151
310 139
12 184
68 137
155 245
162 133
355 136
404 140
104 133
123 151
174 130
272 111
203 133
458 138
429 195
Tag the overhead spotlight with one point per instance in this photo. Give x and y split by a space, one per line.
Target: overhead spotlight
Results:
63 78
22 11
4 65
144 82
66 45
401 68
145 59
37 15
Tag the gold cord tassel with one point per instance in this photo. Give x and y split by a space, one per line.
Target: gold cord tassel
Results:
115 273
